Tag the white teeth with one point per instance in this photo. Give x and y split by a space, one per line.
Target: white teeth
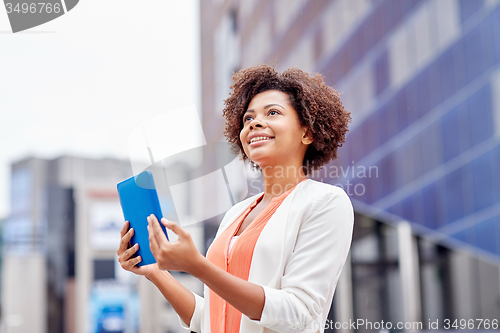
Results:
259 138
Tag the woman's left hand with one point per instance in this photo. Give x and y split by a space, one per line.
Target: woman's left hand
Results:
179 256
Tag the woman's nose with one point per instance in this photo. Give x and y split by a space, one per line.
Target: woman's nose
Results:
257 123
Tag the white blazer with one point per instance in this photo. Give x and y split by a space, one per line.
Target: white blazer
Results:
297 260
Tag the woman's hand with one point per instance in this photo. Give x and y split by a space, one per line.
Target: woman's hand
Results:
179 256
125 254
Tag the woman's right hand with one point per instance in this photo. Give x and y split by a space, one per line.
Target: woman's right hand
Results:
125 254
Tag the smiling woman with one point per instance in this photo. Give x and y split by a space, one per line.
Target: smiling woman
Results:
277 256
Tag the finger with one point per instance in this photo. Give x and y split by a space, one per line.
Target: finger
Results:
161 239
136 261
175 228
124 242
153 244
133 262
130 252
124 229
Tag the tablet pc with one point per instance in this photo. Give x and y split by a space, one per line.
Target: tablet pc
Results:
139 199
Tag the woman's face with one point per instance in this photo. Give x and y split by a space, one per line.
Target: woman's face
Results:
272 134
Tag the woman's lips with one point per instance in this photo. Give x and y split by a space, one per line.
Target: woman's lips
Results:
260 140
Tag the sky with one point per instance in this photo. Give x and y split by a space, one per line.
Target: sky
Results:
79 84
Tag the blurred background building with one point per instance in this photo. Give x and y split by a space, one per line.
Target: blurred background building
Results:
60 271
420 163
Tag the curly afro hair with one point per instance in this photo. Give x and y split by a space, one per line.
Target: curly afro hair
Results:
318 107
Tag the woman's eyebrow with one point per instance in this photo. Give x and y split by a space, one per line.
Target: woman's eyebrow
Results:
266 107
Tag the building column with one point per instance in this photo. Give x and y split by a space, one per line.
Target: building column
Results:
343 308
409 272
150 299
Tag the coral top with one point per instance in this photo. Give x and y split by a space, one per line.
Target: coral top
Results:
223 316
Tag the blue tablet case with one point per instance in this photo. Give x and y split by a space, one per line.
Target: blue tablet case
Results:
139 199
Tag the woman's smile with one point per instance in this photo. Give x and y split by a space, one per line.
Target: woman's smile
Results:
259 141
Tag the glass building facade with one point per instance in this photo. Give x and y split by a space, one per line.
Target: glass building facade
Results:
432 133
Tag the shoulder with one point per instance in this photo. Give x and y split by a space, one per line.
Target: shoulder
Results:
315 191
318 202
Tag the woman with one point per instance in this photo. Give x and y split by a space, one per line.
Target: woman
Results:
277 256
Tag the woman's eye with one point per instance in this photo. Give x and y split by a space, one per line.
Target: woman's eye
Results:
273 112
247 118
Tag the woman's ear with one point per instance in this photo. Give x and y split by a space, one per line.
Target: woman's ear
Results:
307 137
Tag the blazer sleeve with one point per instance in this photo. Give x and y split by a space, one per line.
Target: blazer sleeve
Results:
196 318
313 269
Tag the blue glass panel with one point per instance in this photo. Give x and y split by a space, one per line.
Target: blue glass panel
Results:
368 38
474 54
482 175
402 107
471 236
430 206
480 116
447 70
464 125
413 101
417 152
401 168
461 236
384 124
429 145
469 193
393 118
488 42
497 229
423 92
408 5
397 209
408 209
435 97
442 204
343 153
357 151
362 190
375 181
371 137
451 134
497 234
388 10
353 50
495 160
381 73
487 234
469 8
397 10
387 174
460 65
455 190
380 18
496 28
419 214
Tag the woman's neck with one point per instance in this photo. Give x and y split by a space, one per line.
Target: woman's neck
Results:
279 179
